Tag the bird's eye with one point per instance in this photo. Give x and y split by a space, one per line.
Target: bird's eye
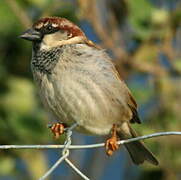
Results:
49 27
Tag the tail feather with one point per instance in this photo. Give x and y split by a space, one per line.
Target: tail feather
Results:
139 153
137 150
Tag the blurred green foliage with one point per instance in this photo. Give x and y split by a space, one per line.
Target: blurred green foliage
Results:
155 31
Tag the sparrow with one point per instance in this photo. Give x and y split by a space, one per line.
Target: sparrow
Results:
78 83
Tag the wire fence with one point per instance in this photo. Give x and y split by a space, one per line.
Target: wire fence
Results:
67 147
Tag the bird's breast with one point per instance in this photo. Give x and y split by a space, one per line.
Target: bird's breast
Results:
85 91
82 96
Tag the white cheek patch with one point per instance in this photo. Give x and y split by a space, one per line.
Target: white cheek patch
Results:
44 46
47 42
52 40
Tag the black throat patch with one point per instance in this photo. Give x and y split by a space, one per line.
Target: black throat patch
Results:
45 61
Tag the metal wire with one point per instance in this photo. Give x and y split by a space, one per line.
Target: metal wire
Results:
54 166
67 147
65 154
97 145
76 169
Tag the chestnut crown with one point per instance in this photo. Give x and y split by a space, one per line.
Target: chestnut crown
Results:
50 25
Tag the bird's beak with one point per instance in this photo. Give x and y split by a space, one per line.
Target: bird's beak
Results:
31 35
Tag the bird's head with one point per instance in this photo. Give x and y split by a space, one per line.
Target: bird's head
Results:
51 32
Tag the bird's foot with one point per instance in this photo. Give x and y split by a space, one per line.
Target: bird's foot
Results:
112 143
57 129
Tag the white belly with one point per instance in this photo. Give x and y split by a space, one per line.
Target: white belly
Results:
73 98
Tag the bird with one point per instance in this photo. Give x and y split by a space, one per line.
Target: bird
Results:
79 83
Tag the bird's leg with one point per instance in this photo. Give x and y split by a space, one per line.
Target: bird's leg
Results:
112 143
57 129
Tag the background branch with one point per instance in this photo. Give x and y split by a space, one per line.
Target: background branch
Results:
20 13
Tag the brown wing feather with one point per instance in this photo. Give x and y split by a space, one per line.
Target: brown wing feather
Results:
133 106
131 102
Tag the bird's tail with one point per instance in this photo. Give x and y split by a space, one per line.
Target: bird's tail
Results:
137 150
